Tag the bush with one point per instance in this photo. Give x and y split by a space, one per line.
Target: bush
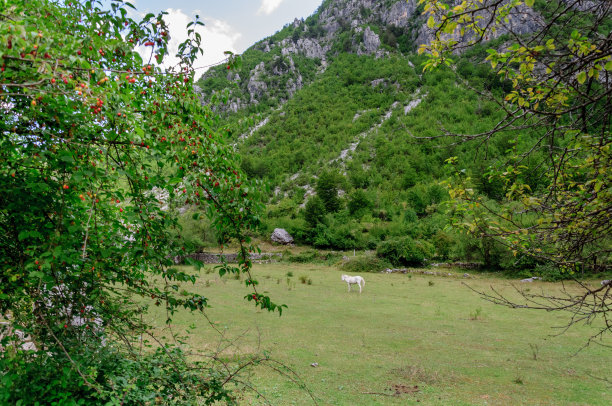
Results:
405 251
314 212
305 280
138 378
359 203
327 190
340 235
196 231
443 243
312 256
284 208
365 264
303 257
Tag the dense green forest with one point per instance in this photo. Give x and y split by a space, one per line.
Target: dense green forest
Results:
356 159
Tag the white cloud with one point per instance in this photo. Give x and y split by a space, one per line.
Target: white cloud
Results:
217 37
268 6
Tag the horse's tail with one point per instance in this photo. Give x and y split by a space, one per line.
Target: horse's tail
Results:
363 281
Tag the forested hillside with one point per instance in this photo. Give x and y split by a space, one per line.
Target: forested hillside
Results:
336 114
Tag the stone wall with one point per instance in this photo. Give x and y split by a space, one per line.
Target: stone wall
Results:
212 258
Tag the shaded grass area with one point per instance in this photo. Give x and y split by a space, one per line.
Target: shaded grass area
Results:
407 338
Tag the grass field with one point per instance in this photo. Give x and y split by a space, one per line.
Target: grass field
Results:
430 337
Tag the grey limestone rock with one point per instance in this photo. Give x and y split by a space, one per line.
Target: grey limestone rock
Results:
371 41
281 236
257 87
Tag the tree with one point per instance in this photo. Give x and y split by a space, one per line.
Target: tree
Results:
359 202
327 190
100 146
560 72
314 211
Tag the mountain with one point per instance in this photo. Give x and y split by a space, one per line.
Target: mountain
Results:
274 69
335 113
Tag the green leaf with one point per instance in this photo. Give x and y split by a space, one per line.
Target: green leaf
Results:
431 22
529 3
36 274
66 157
581 77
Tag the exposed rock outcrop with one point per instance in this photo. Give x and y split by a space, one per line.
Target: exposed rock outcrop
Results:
281 236
371 41
364 27
256 86
308 47
522 20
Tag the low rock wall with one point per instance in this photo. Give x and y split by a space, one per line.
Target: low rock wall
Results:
212 258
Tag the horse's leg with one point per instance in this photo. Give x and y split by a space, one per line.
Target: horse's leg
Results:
349 286
359 288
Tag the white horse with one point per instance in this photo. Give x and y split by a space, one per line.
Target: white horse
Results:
353 280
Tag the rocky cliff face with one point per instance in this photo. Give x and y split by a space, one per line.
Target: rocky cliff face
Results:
275 68
522 20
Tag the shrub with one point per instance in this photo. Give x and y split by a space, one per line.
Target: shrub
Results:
305 280
405 251
327 190
314 212
196 231
410 216
137 378
443 243
285 207
303 257
366 263
359 203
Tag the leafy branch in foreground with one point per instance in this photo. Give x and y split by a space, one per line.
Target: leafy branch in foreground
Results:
562 97
100 147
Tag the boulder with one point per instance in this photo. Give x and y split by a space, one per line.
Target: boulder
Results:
281 236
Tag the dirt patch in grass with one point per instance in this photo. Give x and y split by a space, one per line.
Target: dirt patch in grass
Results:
401 389
396 390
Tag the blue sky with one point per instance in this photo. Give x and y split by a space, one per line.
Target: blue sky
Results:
230 25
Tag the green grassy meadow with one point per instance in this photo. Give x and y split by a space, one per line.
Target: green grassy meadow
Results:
428 336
